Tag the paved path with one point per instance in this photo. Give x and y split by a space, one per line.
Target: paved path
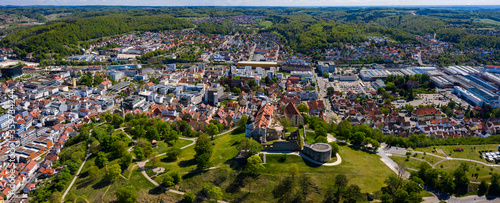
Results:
388 161
76 176
143 164
80 169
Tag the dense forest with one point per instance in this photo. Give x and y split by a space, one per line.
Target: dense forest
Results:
306 37
212 28
68 37
304 30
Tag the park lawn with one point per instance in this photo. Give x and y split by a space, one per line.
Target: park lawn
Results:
483 173
291 129
184 163
310 137
361 168
224 149
470 151
266 23
429 158
411 163
162 146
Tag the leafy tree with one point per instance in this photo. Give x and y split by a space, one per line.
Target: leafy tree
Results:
352 193
253 164
120 149
320 132
167 181
358 138
212 192
139 153
483 188
93 173
212 130
203 150
335 148
189 197
303 108
173 153
55 197
127 194
154 158
126 160
341 184
113 172
446 183
286 122
461 180
321 139
495 184
401 196
101 160
117 121
250 147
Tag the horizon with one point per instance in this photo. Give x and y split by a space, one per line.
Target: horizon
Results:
253 3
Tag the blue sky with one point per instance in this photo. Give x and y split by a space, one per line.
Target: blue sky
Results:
250 2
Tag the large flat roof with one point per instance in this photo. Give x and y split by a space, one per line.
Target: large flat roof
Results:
258 62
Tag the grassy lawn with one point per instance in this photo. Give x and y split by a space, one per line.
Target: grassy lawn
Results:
361 168
310 137
162 146
365 170
266 23
225 149
484 171
489 21
470 151
411 163
291 129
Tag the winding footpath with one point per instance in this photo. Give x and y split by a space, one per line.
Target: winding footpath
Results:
79 169
143 164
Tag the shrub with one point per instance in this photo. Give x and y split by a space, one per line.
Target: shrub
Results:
189 197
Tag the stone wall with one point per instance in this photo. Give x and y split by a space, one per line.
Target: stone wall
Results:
319 151
291 145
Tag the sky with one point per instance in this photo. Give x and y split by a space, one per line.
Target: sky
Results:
285 3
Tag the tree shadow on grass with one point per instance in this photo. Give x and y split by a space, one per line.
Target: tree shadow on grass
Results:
101 184
156 191
237 183
167 160
84 183
187 163
310 164
194 173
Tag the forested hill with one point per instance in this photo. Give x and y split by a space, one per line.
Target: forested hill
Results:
306 37
70 35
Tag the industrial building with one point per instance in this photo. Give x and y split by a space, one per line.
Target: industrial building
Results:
442 82
256 64
468 96
372 75
460 70
12 72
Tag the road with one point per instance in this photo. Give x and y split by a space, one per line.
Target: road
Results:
250 56
322 95
419 55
